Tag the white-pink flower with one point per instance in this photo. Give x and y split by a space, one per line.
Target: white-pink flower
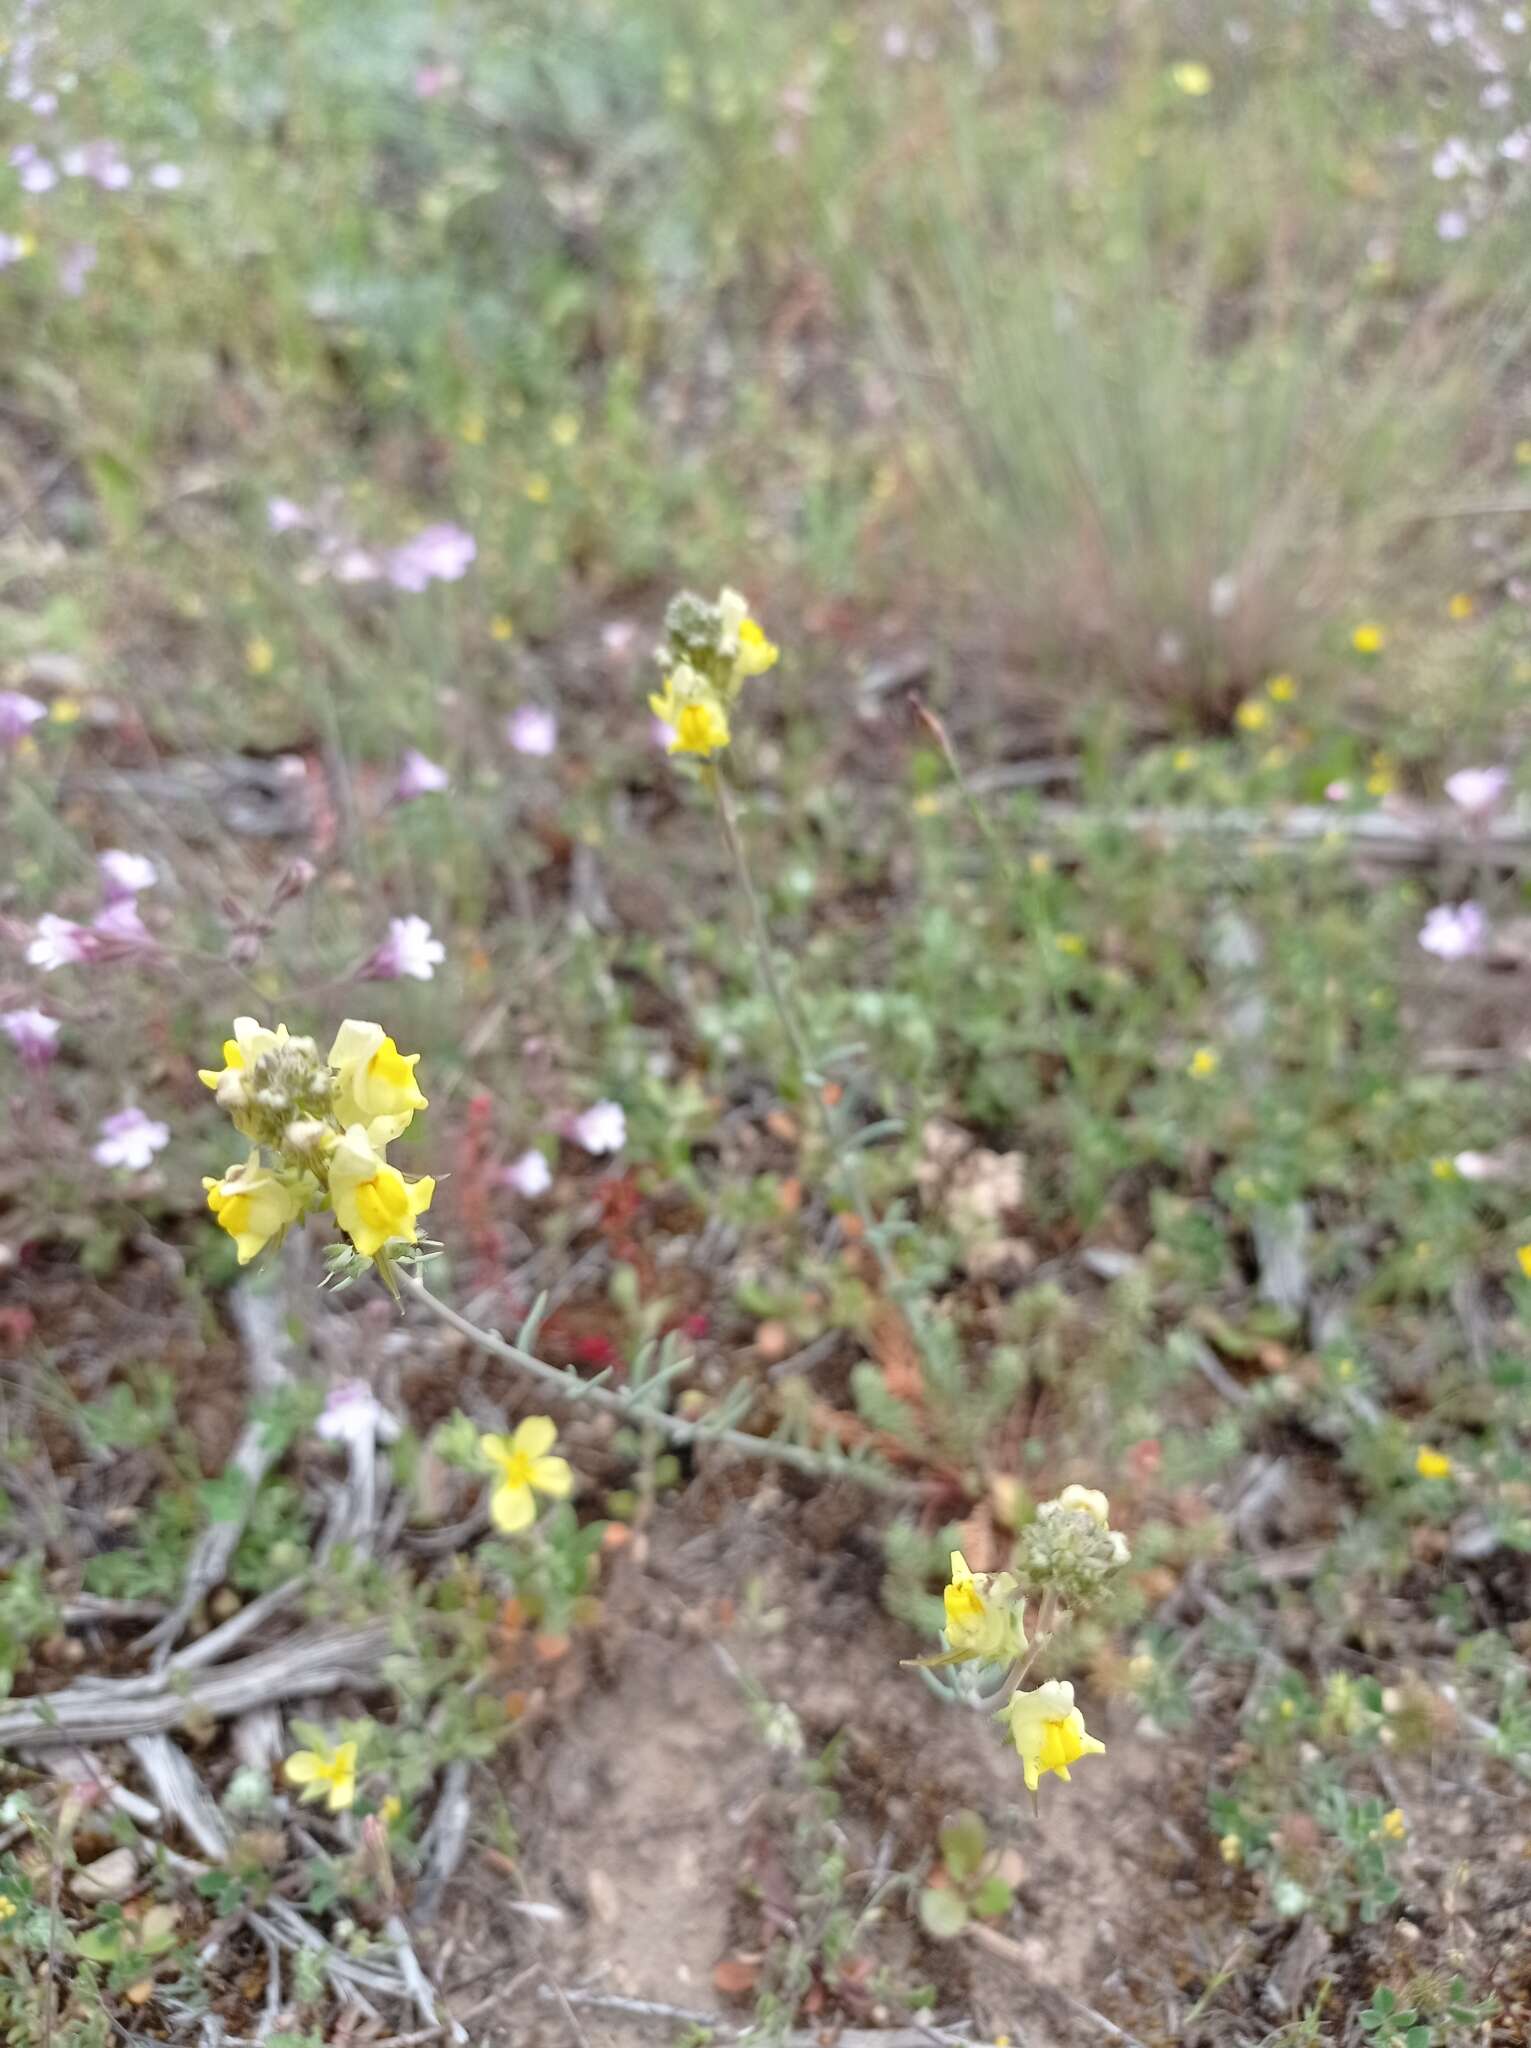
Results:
18 714
419 776
1337 792
74 266
286 515
130 1140
532 730
1477 791
1478 1166
33 1033
600 1129
120 924
409 951
59 942
530 1175
125 874
436 554
353 1414
1454 931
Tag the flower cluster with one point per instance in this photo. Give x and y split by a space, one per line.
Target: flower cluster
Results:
709 652
319 1132
1062 1560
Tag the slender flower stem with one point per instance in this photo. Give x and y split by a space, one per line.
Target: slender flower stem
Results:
825 1464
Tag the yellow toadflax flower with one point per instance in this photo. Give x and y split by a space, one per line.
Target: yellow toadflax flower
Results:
524 1468
981 1620
743 640
1431 1464
324 1773
377 1085
1048 1731
255 1205
690 707
241 1051
374 1204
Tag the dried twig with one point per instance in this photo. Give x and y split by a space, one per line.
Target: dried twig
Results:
1414 838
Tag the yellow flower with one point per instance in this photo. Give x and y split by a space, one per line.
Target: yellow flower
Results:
1462 605
1523 1259
1523 453
743 642
1204 1063
250 1040
324 1773
255 1206
1192 78
689 707
260 655
524 1468
1231 1849
1049 1732
1368 639
64 711
501 628
1380 782
1085 1500
563 429
1431 1464
538 487
8 1908
1183 760
1252 715
471 429
1070 942
1394 1826
1282 689
373 1202
390 1809
1443 1169
981 1620
927 804
377 1082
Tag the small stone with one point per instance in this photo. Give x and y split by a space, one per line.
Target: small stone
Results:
111 1876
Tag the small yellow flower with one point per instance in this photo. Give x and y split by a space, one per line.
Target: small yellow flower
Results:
1252 715
1523 1259
256 1206
1288 1710
1086 1500
1368 638
1523 453
64 711
689 707
927 804
563 429
471 429
1204 1063
538 487
1394 1826
1462 605
1282 689
1070 942
390 1809
250 1040
525 1468
324 1773
1231 1849
501 628
260 655
1431 1464
1193 78
1183 760
743 640
981 1617
1049 1732
8 1908
1443 1169
1381 782
377 1085
374 1204
1040 864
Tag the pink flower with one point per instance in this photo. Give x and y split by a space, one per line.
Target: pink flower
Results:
409 950
285 515
38 175
618 636
102 161
1454 931
1337 792
532 730
120 924
130 1140
353 1415
75 265
59 942
661 733
34 1034
1477 791
432 79
18 713
419 776
441 554
530 1175
125 874
600 1129
1478 1166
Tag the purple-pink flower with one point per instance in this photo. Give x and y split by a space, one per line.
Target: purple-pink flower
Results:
130 1140
74 266
18 714
59 942
600 1129
119 924
1454 931
125 874
419 776
102 161
1477 791
285 515
436 554
532 730
33 1033
530 1175
409 951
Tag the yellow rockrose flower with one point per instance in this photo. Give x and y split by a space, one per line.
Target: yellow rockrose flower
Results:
981 1620
255 1206
324 1773
377 1085
525 1469
374 1204
1431 1464
1049 1732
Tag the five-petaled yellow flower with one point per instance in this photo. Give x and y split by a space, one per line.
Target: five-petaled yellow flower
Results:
1462 605
1431 1464
1252 715
324 1773
1048 1731
981 1617
1203 1063
524 1468
1368 639
1523 1259
374 1204
255 1205
1394 1826
376 1082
